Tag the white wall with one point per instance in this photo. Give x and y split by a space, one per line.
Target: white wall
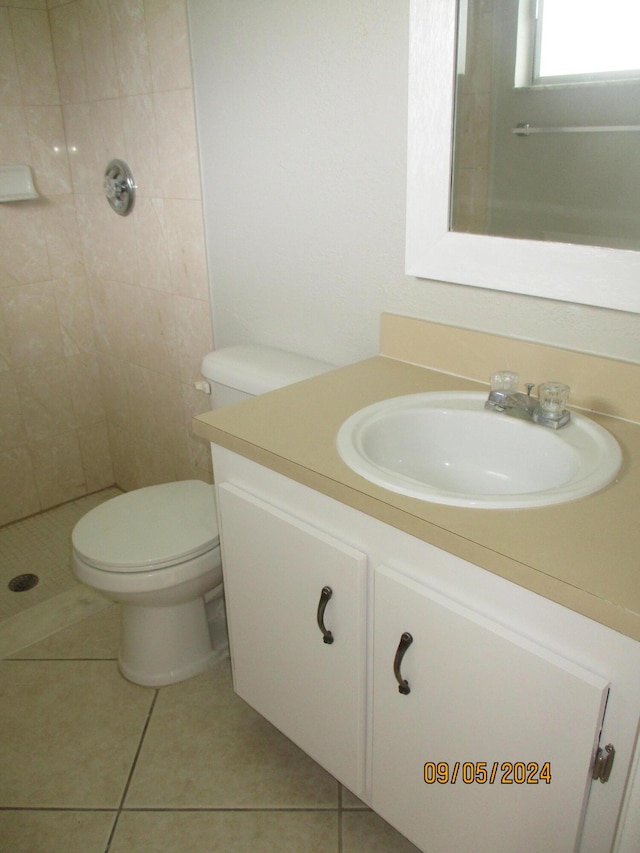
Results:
301 111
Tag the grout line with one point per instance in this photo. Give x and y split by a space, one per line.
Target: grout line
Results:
89 809
57 660
239 809
131 772
181 809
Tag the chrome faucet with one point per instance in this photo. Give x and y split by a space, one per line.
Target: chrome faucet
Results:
548 409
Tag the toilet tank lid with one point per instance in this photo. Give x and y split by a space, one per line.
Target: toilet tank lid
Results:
256 369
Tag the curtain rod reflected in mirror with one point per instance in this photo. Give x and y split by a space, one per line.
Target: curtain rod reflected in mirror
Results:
539 259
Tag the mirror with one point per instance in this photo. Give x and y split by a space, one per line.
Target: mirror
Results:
546 135
587 274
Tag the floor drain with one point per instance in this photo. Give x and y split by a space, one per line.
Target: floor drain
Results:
21 583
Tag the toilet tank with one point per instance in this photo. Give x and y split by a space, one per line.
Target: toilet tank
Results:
239 372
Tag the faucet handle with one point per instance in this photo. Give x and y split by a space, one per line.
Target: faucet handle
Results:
554 397
504 380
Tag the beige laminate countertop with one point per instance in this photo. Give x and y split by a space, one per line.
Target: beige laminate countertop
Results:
584 554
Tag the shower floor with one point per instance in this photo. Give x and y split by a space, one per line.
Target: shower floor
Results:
41 545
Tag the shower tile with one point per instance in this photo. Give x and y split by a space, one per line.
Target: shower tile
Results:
115 392
18 490
177 143
128 23
31 318
84 387
185 239
96 456
58 465
156 410
12 429
52 831
197 449
34 50
246 763
193 329
125 458
63 238
138 463
85 175
67 42
9 76
4 343
23 250
227 832
99 50
156 461
45 397
108 239
15 135
49 149
186 465
108 134
84 725
112 306
151 243
153 342
139 126
168 44
475 131
110 309
108 301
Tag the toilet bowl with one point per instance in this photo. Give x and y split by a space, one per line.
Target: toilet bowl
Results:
156 549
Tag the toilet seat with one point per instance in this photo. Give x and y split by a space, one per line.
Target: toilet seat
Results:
151 528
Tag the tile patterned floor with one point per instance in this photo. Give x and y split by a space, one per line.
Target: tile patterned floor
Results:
41 545
91 763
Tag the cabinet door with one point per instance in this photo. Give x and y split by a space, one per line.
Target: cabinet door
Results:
275 568
491 750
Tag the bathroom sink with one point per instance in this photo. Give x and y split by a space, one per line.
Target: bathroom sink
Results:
446 448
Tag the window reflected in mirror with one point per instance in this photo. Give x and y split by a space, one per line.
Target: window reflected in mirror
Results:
546 142
579 40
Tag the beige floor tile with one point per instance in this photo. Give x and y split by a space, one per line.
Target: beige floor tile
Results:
93 638
70 731
366 832
205 748
43 620
350 801
55 831
227 832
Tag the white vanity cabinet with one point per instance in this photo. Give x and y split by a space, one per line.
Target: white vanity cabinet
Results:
297 624
507 697
482 740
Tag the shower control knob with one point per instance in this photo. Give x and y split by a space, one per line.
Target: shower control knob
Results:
119 187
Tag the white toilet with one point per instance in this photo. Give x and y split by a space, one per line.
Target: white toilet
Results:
156 550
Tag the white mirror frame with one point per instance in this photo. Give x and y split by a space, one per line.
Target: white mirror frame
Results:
589 275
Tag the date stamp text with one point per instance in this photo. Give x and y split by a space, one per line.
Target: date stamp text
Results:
487 773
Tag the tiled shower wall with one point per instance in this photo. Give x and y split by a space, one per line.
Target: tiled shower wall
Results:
103 319
473 115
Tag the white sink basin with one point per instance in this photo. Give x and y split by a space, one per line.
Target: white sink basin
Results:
445 447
